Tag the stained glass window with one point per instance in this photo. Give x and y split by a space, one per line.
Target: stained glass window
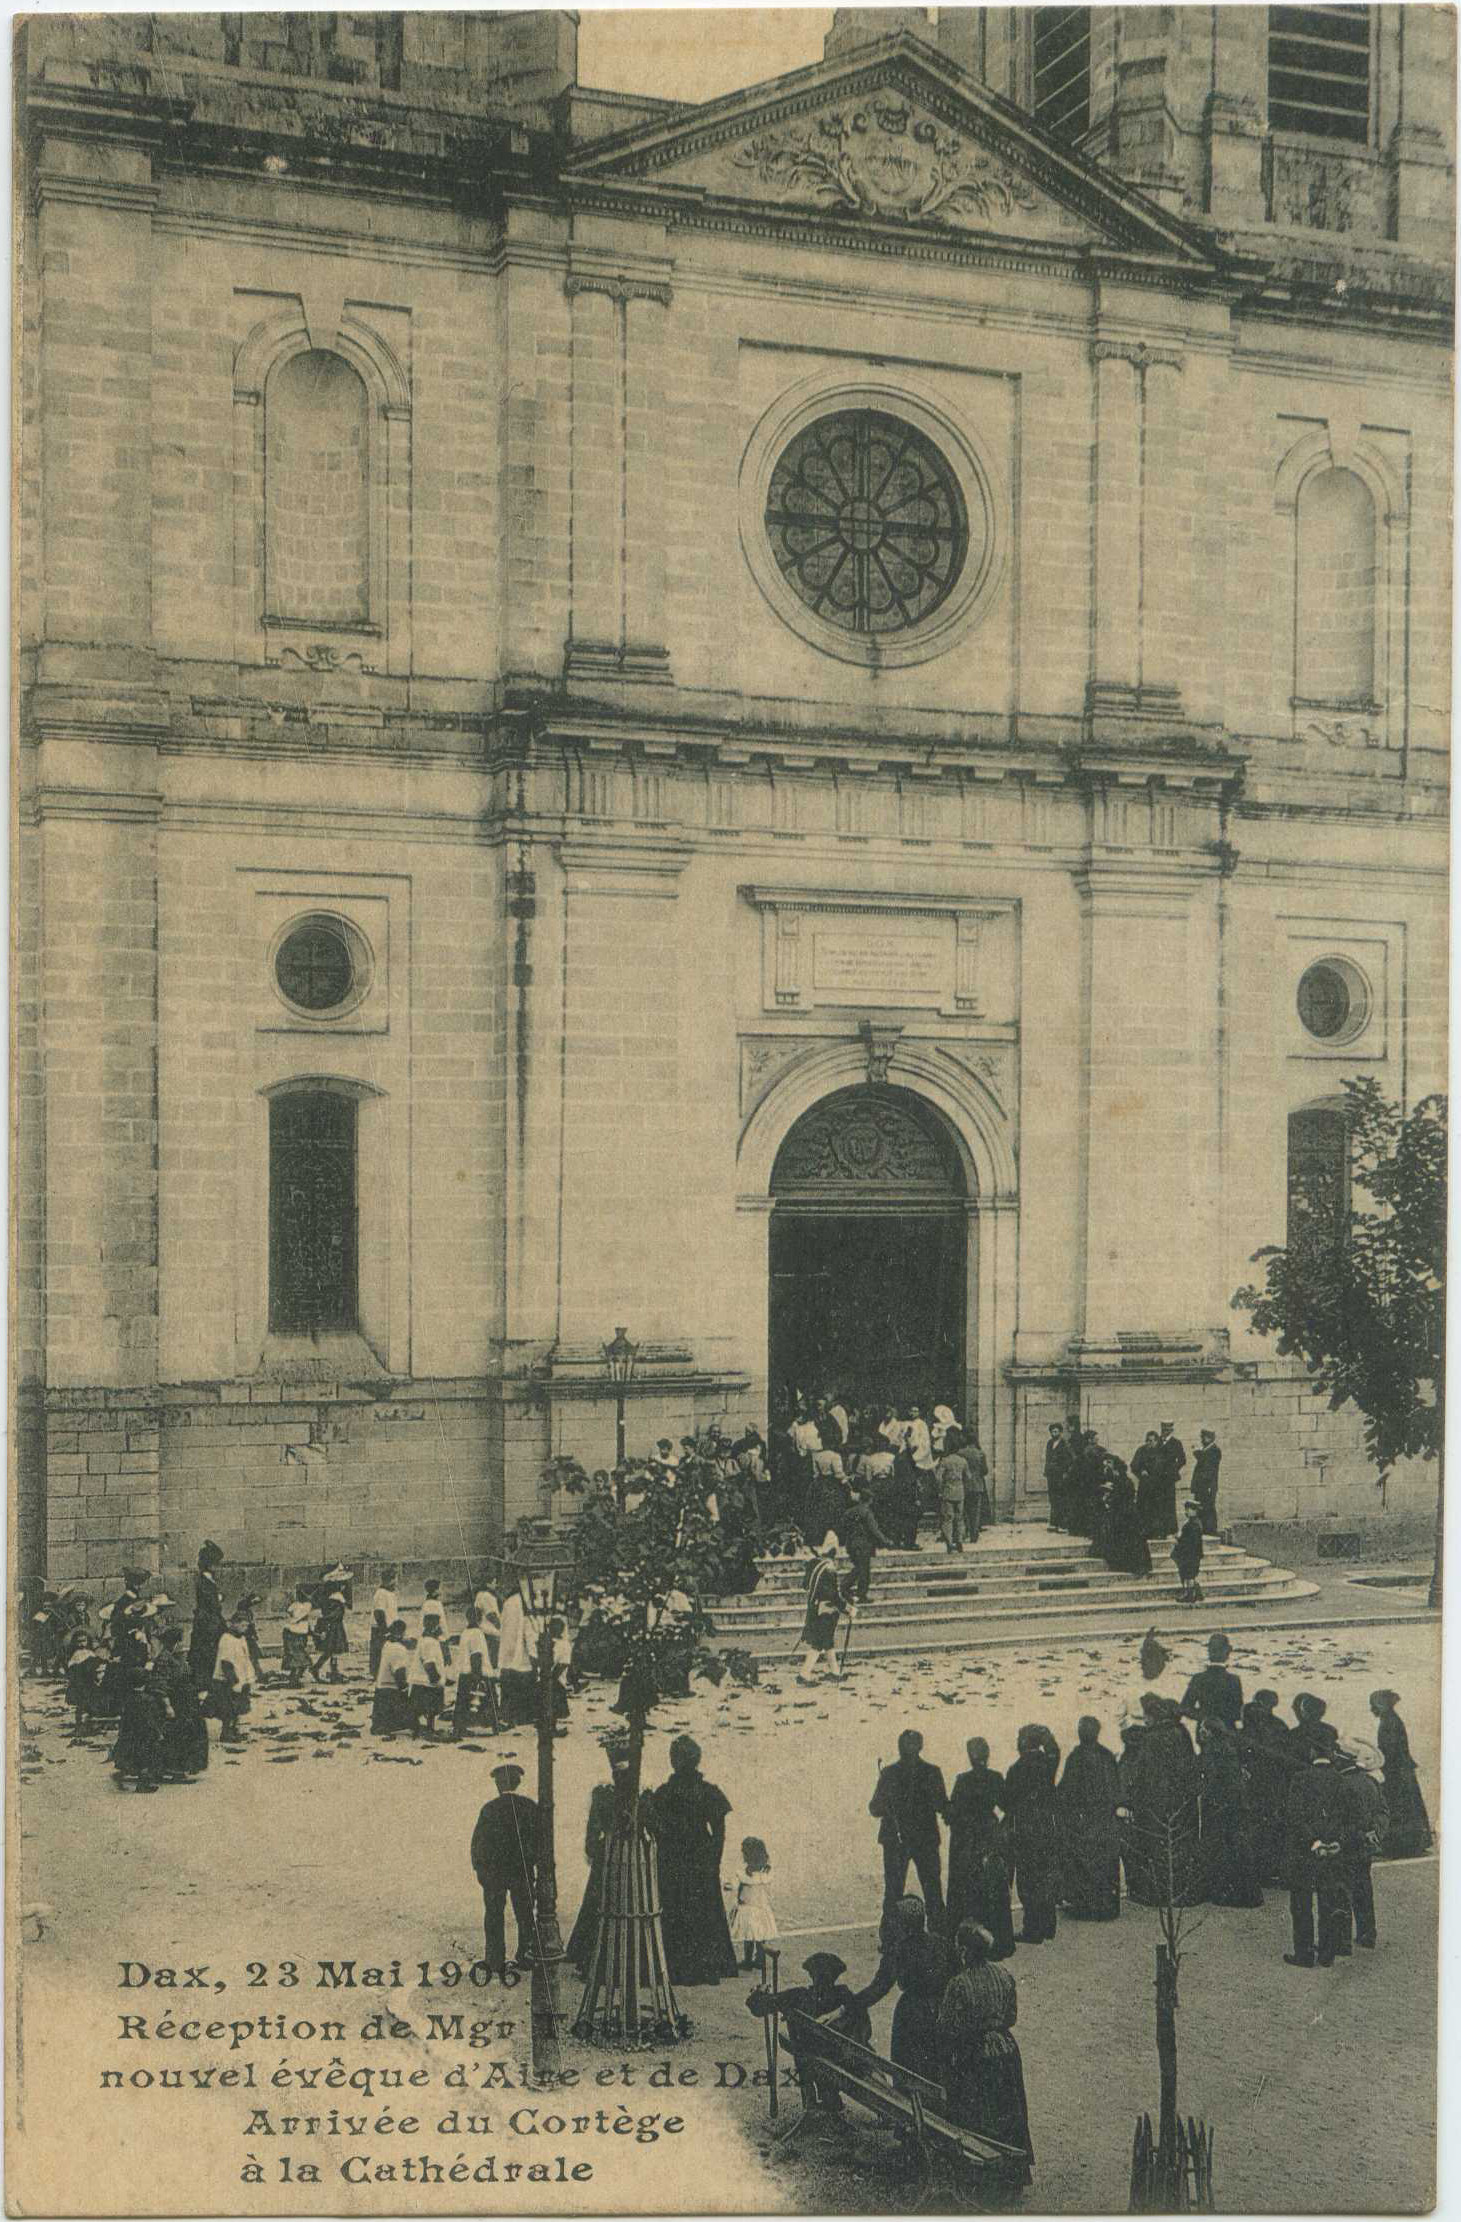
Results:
312 1246
314 967
867 522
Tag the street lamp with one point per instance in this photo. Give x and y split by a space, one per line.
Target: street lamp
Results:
620 1356
537 1586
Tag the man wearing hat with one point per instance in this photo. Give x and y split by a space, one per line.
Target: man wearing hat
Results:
1205 1479
1362 1802
1316 1825
1215 1694
826 1999
505 1863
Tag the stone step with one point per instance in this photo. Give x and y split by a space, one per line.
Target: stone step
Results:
734 1622
748 1612
920 1570
928 1600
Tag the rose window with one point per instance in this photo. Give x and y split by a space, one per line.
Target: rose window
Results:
867 522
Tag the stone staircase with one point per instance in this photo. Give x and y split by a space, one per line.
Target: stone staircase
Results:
1015 1581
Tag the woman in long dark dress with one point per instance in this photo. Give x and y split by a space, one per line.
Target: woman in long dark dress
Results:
1229 1848
983 2074
604 1803
1124 1545
1409 1833
185 1731
979 1877
921 1965
208 1621
1029 1804
687 1815
1086 1802
139 1754
1270 1762
1161 1790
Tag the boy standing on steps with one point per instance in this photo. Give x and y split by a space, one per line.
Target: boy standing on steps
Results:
1187 1555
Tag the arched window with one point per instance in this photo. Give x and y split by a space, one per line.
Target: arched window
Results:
317 491
1335 616
1318 1171
313 1268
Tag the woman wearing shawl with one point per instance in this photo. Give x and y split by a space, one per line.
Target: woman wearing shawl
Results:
981 2067
1270 1761
921 1966
1029 1804
1161 1789
1124 1545
979 1876
1409 1833
1089 1793
688 1815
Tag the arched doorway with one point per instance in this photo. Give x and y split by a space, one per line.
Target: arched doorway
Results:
869 1253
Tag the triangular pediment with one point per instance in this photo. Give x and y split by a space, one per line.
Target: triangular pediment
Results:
891 134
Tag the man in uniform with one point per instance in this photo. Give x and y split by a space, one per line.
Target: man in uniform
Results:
1205 1480
505 1862
907 1805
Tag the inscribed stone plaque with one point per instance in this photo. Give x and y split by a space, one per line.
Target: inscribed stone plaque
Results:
856 961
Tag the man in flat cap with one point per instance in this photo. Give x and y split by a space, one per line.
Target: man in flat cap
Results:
827 1999
505 1862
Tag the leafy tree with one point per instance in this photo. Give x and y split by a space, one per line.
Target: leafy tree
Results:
655 1558
1358 1291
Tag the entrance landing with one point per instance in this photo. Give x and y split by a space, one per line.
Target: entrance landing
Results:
1016 1581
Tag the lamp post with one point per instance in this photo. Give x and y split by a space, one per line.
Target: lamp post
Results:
537 1586
620 1356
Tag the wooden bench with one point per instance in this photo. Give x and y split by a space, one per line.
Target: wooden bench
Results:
825 2061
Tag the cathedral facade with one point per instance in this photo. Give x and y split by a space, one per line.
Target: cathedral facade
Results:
814 727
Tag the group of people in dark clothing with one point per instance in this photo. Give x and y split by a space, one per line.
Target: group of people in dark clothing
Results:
1096 1494
1253 1803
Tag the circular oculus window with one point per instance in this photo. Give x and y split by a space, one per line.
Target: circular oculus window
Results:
1334 1002
322 967
867 522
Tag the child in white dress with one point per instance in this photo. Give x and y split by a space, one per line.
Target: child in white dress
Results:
753 1920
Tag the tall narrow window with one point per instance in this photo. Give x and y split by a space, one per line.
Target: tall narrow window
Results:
1335 618
1063 70
1318 1173
313 1279
1319 71
317 492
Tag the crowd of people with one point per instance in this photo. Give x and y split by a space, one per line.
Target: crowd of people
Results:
1240 1801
